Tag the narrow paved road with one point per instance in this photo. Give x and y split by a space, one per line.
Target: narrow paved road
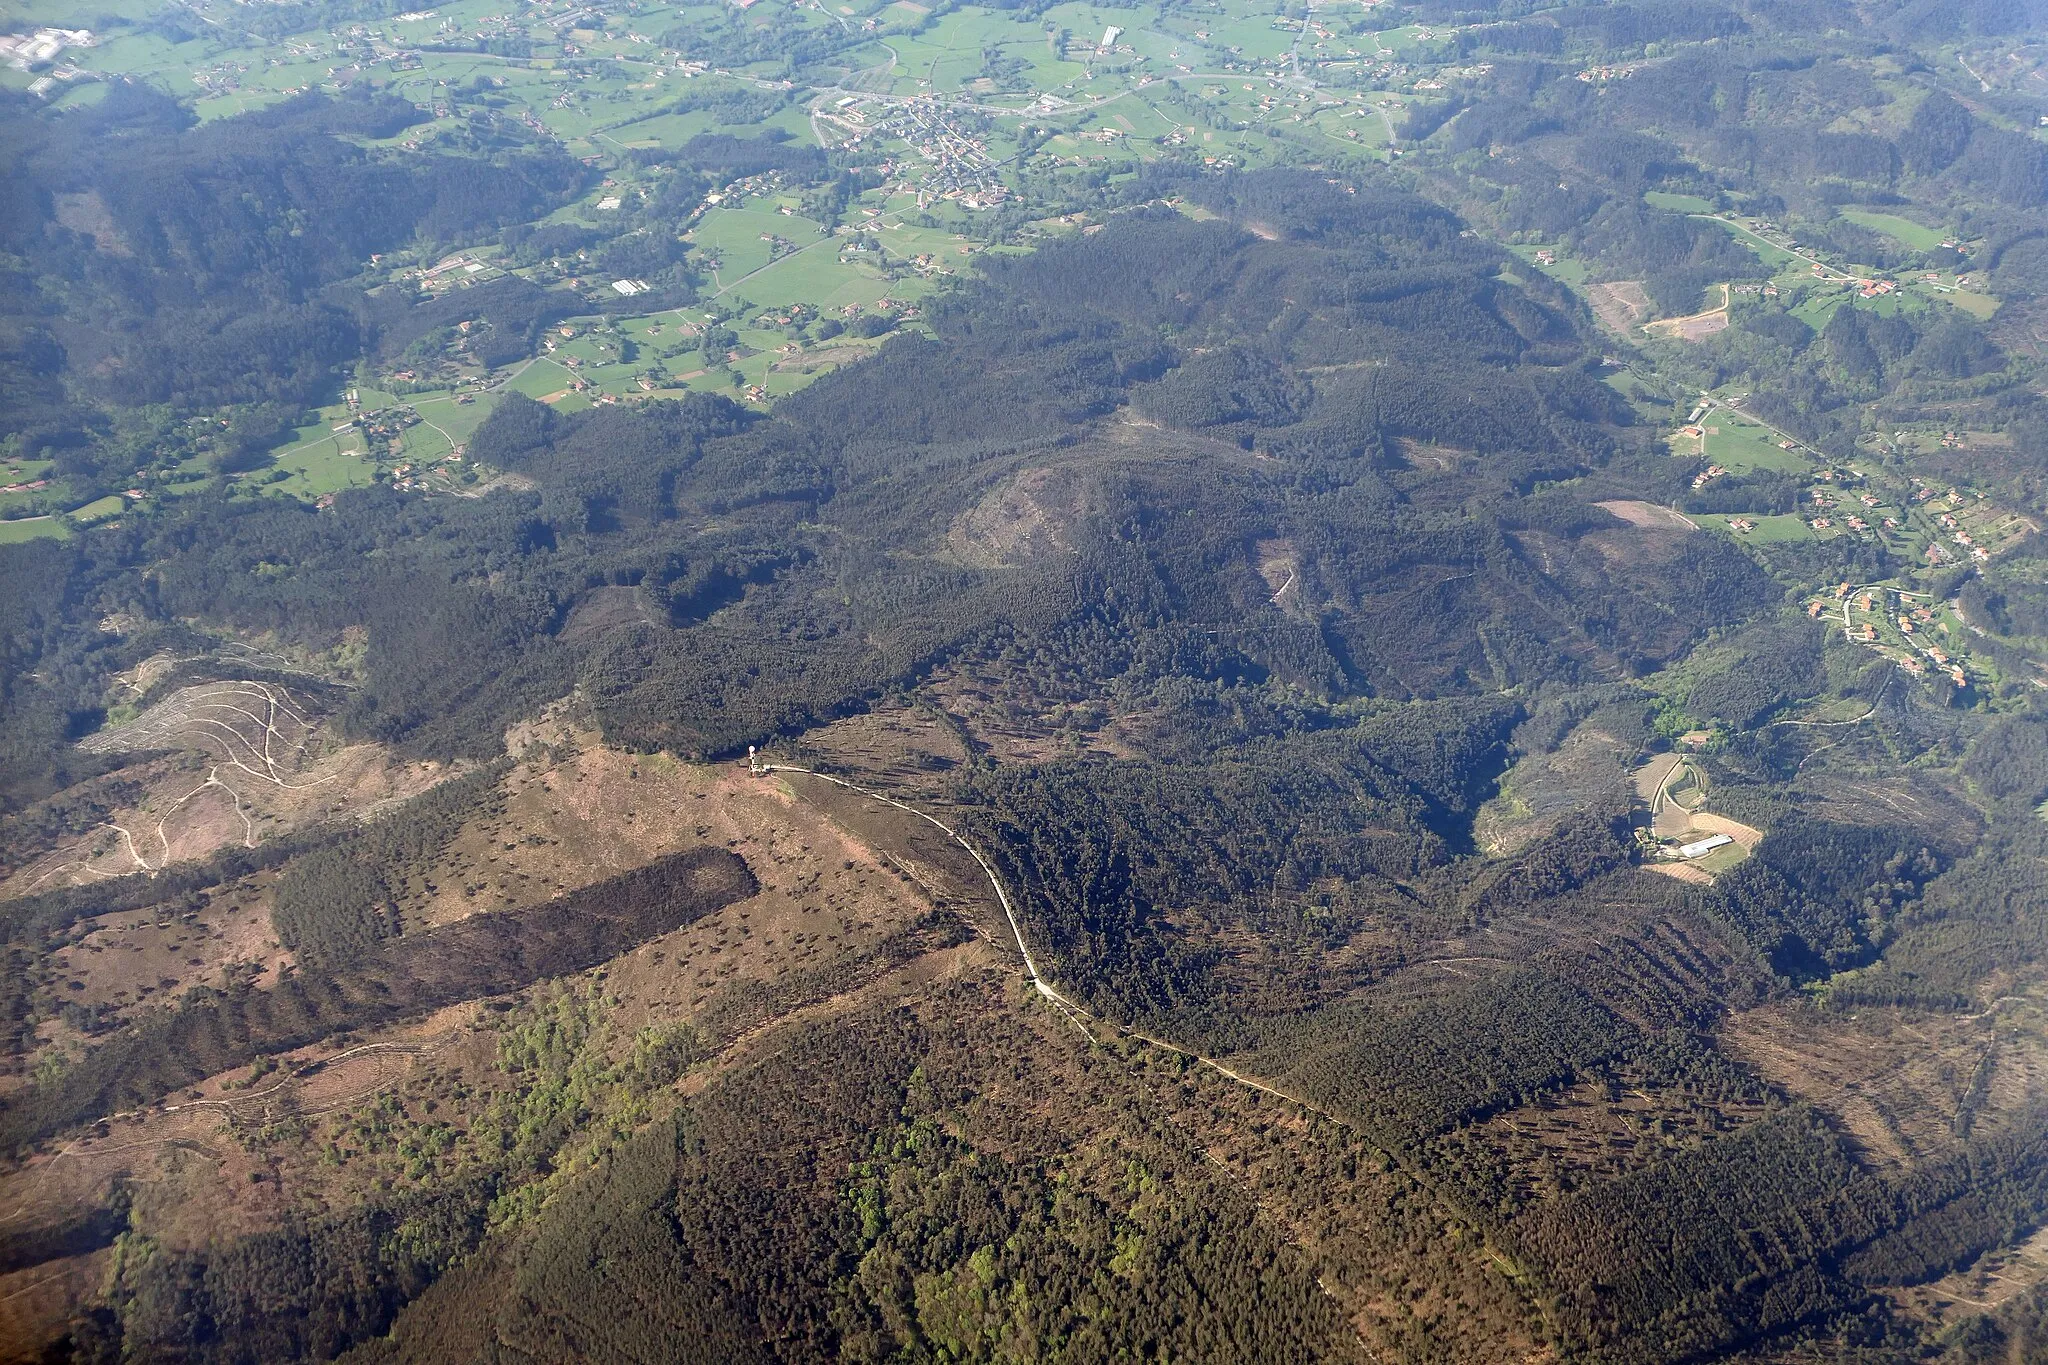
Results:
1832 273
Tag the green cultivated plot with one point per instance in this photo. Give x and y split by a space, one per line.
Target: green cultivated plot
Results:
453 416
324 467
1900 229
99 509
820 278
1741 446
541 378
1979 306
1722 859
1564 268
1677 203
32 528
1767 530
1250 38
739 239
1822 304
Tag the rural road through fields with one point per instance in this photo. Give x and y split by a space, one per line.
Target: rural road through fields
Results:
1832 272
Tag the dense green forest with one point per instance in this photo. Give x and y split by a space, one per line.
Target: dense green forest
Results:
1024 362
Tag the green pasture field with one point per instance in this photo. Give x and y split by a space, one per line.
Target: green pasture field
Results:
322 430
820 279
735 234
130 52
1899 229
1769 530
595 368
33 528
28 14
1677 203
1977 305
909 239
1134 117
656 129
1818 307
99 509
320 468
1649 405
590 350
1721 859
80 94
234 103
1253 35
427 441
540 377
1352 124
1820 304
17 471
457 418
947 54
677 325
1566 269
1743 446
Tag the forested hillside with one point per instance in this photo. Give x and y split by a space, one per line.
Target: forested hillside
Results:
161 271
894 684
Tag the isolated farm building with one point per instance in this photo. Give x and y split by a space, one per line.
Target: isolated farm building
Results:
1702 847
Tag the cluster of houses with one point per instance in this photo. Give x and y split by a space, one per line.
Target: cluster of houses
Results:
1912 621
457 269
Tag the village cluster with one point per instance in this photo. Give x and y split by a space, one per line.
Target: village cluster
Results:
1905 627
43 51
